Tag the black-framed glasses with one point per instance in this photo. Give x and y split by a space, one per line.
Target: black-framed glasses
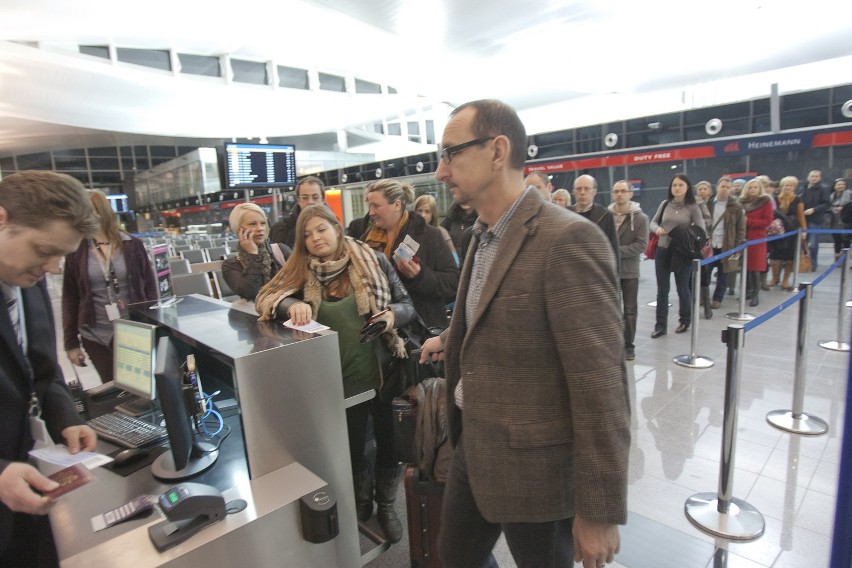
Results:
448 153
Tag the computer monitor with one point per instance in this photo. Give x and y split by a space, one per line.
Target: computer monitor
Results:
134 346
187 457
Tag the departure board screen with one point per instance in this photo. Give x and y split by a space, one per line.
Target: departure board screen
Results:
260 165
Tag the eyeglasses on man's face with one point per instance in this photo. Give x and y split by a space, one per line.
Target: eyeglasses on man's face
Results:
617 191
448 153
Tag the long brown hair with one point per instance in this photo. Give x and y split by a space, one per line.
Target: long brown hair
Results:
106 218
294 273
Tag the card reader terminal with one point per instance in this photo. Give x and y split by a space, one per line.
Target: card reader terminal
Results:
189 507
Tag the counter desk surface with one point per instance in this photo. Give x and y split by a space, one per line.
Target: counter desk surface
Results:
292 431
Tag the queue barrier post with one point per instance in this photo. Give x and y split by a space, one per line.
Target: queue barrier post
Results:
692 360
838 344
721 514
742 315
796 260
796 420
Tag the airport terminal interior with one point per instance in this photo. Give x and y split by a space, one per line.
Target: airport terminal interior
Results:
151 111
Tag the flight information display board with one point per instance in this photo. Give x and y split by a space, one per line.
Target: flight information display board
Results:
260 165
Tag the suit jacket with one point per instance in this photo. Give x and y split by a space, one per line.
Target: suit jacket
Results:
546 413
57 407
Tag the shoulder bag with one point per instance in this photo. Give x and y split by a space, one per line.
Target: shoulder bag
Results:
654 238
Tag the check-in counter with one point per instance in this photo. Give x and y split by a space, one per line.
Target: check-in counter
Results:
288 439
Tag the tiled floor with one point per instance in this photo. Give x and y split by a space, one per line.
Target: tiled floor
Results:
677 432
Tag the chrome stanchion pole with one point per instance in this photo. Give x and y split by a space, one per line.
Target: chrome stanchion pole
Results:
797 260
692 360
742 315
720 513
838 344
795 420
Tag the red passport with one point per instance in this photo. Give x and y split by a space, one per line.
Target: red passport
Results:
70 479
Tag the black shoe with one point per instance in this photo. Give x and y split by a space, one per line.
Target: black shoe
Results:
657 333
630 354
681 328
754 302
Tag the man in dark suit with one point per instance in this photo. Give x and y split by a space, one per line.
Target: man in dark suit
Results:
43 217
537 393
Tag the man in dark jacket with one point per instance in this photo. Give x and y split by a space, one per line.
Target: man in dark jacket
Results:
43 217
308 191
585 189
459 220
816 198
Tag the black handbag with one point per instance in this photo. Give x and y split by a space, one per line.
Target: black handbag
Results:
401 374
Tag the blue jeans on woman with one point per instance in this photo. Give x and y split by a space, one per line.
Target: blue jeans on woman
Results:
664 268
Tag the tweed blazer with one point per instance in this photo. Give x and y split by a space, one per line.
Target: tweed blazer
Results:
546 412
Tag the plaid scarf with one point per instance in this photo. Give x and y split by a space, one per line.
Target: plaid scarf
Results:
371 287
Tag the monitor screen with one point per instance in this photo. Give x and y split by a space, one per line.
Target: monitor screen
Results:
187 457
259 165
134 354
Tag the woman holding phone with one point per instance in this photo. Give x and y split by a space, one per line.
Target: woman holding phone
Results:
342 283
257 259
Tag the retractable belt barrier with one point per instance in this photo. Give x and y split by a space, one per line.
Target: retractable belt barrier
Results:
720 513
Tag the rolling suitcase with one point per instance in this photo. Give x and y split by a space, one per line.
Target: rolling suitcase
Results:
423 499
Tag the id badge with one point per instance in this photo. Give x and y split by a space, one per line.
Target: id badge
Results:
112 311
39 432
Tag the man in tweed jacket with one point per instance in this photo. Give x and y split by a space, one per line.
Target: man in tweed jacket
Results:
534 354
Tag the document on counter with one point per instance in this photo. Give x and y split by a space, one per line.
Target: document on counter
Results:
311 327
58 455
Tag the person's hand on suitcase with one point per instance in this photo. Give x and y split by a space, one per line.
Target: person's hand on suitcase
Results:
432 348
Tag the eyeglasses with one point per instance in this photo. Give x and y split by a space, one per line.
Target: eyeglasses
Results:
617 191
448 153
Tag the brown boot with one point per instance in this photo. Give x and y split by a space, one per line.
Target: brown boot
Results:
776 273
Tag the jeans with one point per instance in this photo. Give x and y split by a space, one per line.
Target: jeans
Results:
466 538
357 418
721 277
813 243
664 269
630 298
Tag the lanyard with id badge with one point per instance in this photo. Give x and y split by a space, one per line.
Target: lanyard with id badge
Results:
115 304
38 428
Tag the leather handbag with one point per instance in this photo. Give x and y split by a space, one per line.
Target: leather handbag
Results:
651 249
654 238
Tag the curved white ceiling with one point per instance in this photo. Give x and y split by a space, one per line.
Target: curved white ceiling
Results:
530 54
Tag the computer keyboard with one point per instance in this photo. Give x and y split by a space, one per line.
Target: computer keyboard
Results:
127 431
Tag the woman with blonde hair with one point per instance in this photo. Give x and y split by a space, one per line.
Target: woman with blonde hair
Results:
103 276
561 197
427 207
257 259
758 210
790 210
429 274
342 283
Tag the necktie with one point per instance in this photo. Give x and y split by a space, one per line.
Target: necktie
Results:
12 307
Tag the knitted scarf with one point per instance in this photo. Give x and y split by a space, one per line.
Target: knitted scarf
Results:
265 260
369 283
377 239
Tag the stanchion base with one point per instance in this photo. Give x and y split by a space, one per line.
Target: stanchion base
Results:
805 424
736 316
654 304
832 345
741 522
697 362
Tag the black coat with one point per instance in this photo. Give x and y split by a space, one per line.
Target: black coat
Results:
458 222
284 231
57 406
438 279
246 281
